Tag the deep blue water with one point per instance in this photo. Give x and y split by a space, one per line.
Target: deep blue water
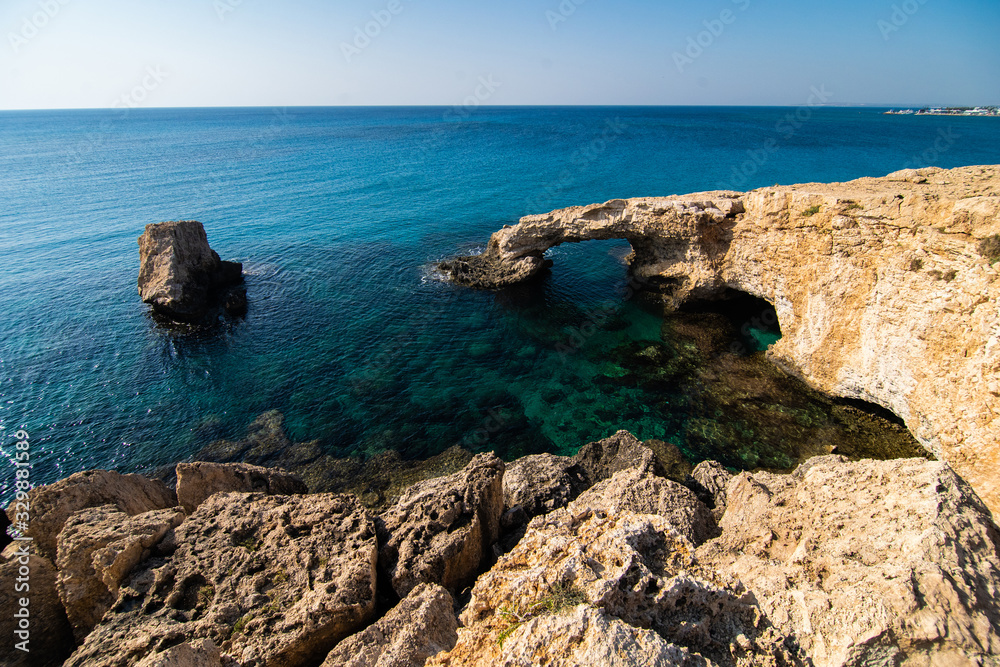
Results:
337 214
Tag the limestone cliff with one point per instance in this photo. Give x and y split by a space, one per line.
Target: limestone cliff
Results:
885 288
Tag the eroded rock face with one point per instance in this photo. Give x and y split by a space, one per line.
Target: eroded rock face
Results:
441 529
182 277
633 567
602 459
271 580
586 635
198 481
713 477
879 284
422 625
49 635
98 548
633 491
52 504
541 483
874 562
199 653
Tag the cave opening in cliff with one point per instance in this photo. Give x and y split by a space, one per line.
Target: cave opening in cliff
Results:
753 321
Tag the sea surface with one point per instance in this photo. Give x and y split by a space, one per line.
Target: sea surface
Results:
338 215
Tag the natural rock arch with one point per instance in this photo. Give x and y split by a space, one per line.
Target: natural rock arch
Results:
879 286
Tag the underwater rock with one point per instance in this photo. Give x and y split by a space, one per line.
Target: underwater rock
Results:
422 625
633 567
887 562
268 579
182 278
52 504
198 481
98 548
440 530
49 635
636 492
881 289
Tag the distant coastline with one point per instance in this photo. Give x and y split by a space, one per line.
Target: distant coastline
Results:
946 111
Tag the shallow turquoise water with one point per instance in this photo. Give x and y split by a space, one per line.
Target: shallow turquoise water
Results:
337 215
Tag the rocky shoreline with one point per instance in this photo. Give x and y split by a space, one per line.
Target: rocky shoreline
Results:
596 559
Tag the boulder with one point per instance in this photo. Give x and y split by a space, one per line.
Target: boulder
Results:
541 483
270 580
181 277
585 635
869 562
602 459
641 493
633 567
713 477
50 637
198 481
98 547
199 653
422 625
440 530
52 504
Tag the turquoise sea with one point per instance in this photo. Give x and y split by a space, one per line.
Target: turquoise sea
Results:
338 215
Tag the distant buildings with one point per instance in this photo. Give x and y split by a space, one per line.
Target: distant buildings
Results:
947 111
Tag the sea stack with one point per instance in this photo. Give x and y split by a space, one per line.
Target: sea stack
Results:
183 279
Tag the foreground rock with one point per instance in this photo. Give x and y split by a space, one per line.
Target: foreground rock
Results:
713 477
53 504
441 529
875 562
585 635
197 482
49 636
636 492
422 625
182 277
633 567
886 289
270 580
98 548
539 484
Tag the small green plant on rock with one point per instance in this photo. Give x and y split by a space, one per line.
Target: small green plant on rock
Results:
811 211
990 248
559 597
916 265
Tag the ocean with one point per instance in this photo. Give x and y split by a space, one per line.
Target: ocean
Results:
338 215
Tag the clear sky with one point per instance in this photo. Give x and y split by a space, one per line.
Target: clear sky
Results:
156 53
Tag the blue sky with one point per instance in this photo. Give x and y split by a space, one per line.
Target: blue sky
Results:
74 53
